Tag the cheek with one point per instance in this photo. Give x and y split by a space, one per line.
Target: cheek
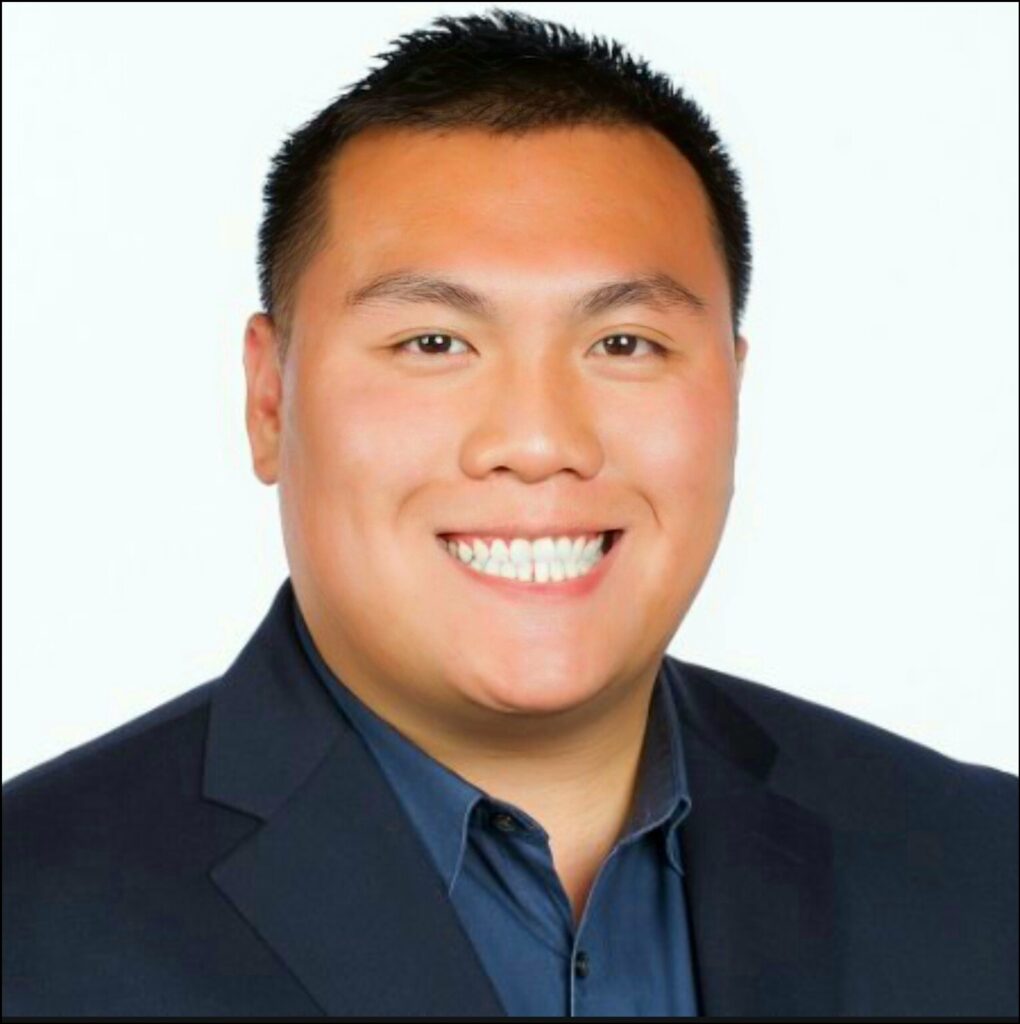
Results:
392 435
681 445
356 456
365 445
684 469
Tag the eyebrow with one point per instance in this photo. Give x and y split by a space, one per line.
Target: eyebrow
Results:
656 290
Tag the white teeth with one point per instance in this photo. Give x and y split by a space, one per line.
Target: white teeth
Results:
520 551
544 559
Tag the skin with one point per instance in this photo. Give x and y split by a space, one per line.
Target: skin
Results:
376 450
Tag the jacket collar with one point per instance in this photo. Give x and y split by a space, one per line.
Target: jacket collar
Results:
440 802
334 879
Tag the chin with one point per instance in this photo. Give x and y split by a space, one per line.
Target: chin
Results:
524 687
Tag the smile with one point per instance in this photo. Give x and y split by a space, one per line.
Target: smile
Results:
548 567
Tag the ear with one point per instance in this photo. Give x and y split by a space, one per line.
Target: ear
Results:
741 355
263 408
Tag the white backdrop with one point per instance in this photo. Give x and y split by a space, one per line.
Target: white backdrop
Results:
870 559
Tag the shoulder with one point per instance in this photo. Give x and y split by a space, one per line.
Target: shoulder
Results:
124 756
859 772
923 848
97 842
115 782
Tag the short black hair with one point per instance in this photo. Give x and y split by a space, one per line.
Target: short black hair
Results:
506 72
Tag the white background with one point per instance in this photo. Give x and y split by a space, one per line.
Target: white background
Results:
870 560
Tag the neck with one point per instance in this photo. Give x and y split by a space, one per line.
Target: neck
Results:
577 782
579 785
574 771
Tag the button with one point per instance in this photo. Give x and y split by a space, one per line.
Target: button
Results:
504 822
581 964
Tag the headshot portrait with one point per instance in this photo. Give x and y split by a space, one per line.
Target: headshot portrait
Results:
510 510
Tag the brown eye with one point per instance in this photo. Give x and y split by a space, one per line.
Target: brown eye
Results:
433 343
630 342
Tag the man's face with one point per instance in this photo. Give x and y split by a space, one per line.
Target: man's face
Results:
532 414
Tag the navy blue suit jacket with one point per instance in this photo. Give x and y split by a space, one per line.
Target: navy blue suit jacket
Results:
236 851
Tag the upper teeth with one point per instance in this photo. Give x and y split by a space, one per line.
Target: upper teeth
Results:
555 557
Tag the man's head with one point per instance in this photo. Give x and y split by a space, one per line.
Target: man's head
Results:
531 168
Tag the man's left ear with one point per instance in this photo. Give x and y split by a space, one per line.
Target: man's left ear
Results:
741 354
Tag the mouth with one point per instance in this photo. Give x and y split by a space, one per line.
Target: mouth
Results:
563 569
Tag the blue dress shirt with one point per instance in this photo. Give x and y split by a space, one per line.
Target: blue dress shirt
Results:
630 955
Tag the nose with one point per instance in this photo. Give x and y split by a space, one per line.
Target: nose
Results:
535 422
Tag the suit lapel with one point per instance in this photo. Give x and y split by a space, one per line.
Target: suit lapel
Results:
335 880
758 868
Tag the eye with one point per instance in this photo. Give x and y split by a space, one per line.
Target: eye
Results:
657 349
430 340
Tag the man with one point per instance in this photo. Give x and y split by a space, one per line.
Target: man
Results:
454 772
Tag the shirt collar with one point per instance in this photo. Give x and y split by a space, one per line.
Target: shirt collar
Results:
441 803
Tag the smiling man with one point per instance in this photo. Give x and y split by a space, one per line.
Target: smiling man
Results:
455 773
477 354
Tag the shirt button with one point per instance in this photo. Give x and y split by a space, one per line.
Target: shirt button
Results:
581 964
504 822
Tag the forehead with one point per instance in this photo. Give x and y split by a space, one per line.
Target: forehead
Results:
572 202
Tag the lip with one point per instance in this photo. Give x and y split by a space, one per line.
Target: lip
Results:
550 592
